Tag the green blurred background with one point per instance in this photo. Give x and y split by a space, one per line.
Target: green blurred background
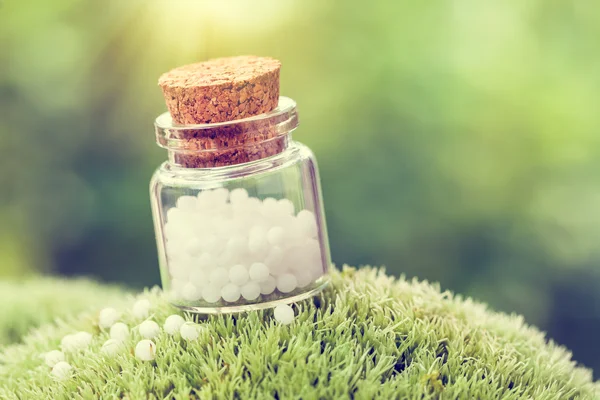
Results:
458 140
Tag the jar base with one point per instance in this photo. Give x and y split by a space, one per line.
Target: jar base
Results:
253 307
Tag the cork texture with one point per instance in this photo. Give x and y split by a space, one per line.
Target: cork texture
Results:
222 90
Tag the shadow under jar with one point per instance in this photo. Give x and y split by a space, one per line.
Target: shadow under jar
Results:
238 214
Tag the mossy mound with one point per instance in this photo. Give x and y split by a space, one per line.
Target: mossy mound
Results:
32 302
367 336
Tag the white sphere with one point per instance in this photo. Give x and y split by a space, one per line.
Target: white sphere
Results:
303 277
286 283
238 275
206 201
238 196
230 293
206 261
236 246
253 205
145 350
220 196
173 323
210 244
82 339
180 268
285 207
198 277
268 206
177 285
149 329
257 239
62 371
307 223
111 347
76 341
284 314
259 272
191 292
107 317
276 236
190 331
268 286
193 246
250 291
187 203
175 216
54 357
274 258
211 293
141 308
119 332
219 277
258 245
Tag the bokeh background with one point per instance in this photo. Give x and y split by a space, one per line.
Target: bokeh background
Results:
458 140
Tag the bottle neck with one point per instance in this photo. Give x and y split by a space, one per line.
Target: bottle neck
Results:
228 143
221 154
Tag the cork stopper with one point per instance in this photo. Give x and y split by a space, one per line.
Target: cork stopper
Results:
223 89
218 103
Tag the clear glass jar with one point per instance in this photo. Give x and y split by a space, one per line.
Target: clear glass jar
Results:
238 214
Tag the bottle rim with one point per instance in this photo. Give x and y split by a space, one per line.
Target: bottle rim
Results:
251 131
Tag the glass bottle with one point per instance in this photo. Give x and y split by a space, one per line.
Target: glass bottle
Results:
238 214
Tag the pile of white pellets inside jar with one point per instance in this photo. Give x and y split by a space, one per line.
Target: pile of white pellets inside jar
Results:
228 245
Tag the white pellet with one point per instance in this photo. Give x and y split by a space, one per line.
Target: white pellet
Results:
258 245
62 371
220 195
284 314
180 269
303 277
259 272
238 275
307 223
286 283
238 196
236 246
230 292
191 292
54 357
205 200
145 350
285 207
268 206
193 246
149 329
274 258
198 277
173 323
219 277
187 203
119 332
268 286
207 261
211 293
76 341
250 291
190 331
107 317
275 236
211 244
141 309
111 347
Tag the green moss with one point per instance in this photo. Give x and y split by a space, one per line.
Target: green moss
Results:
368 335
32 302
